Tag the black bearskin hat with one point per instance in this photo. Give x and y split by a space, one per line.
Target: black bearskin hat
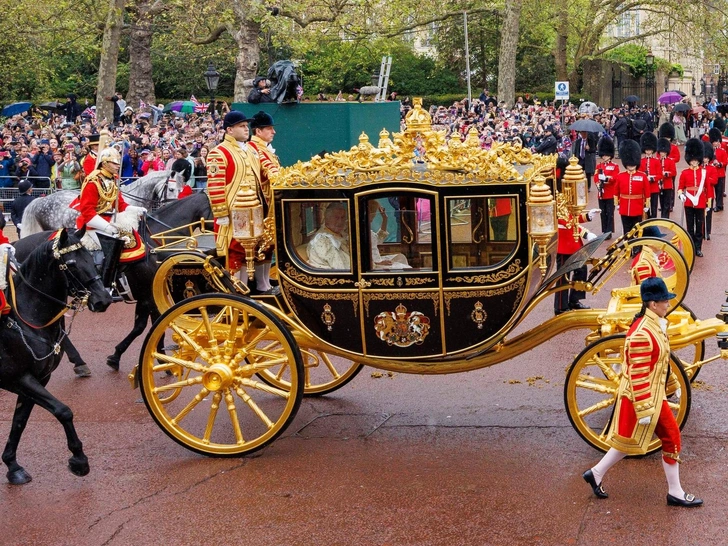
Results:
605 147
714 135
667 130
708 151
629 153
693 150
648 141
719 123
664 145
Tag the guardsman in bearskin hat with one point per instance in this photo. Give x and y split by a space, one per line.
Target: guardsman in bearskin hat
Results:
693 192
89 162
642 409
650 165
632 188
669 172
720 162
263 130
711 175
667 130
606 180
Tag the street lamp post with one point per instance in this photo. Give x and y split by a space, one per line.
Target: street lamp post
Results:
212 78
650 77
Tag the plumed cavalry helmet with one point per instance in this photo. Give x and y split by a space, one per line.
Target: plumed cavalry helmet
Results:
693 150
605 147
648 141
629 153
708 152
109 154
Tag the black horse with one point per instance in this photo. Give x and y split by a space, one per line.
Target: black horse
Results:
139 274
31 336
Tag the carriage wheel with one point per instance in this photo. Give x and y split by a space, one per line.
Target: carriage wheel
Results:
201 391
591 388
183 274
677 236
323 373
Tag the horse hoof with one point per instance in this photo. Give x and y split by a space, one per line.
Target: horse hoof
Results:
113 362
78 468
19 477
82 371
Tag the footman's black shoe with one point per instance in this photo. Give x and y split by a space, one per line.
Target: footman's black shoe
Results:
699 253
707 237
598 489
578 305
690 501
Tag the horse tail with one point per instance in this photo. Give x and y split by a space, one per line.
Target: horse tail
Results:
30 222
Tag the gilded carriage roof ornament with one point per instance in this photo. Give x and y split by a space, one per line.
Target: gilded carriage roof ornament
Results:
419 153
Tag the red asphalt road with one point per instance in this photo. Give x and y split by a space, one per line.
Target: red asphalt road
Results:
483 458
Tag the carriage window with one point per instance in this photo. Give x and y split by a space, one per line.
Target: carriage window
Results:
318 232
399 229
482 230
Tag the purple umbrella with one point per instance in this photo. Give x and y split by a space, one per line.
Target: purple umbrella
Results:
669 97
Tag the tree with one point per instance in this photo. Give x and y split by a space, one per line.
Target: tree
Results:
507 53
109 59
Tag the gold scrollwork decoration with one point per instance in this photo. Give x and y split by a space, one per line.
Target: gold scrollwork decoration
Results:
296 275
346 296
492 278
388 296
417 281
383 282
518 286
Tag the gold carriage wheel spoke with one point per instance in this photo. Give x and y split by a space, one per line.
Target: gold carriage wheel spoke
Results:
199 397
178 384
176 361
207 323
204 354
245 397
165 367
607 369
244 381
591 383
230 402
211 417
599 406
330 365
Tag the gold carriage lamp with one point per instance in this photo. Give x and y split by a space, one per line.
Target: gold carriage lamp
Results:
247 219
574 186
541 218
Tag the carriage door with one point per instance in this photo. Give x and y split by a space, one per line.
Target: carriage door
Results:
399 268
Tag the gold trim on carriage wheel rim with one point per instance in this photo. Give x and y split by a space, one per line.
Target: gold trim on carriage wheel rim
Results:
591 386
212 402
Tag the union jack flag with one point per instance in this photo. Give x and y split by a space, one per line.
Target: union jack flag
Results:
90 112
193 99
201 107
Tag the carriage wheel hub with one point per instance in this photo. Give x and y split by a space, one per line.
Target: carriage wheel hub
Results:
218 377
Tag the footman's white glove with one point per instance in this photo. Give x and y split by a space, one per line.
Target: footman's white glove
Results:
646 209
98 223
590 236
139 211
593 212
644 421
682 197
223 221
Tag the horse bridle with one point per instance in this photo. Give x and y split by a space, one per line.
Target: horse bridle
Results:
77 288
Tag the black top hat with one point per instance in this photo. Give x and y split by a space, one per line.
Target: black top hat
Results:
693 150
648 141
708 152
629 153
233 118
260 120
655 289
652 231
714 135
605 147
667 130
94 138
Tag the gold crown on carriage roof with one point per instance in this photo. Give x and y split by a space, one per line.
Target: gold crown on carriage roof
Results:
419 153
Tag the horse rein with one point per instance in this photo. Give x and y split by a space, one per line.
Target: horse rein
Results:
77 301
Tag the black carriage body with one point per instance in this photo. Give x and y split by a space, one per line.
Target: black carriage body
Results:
459 272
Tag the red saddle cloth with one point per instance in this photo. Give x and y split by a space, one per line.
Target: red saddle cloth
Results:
4 307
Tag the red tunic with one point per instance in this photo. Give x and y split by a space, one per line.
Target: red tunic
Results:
608 187
674 154
721 158
567 244
689 182
669 172
89 163
652 168
633 191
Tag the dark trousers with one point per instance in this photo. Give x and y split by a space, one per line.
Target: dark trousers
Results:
565 298
607 214
665 203
628 222
719 189
708 222
695 219
654 199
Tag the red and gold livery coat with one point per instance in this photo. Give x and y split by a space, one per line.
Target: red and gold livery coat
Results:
269 166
